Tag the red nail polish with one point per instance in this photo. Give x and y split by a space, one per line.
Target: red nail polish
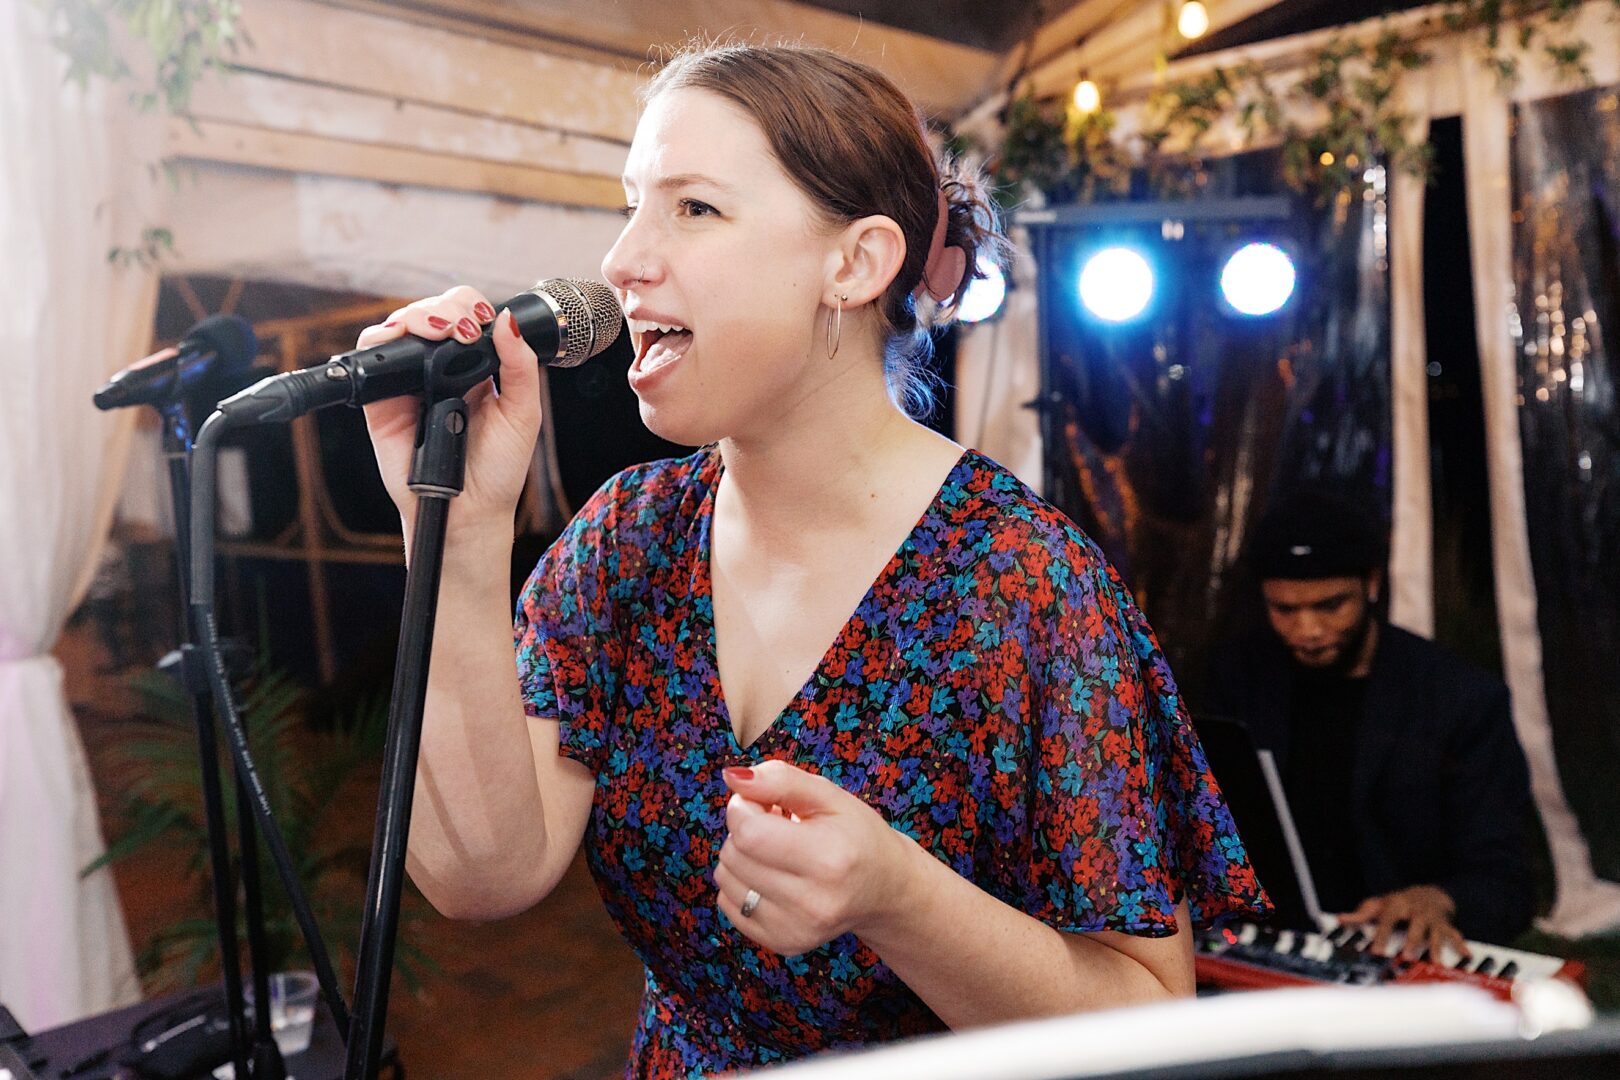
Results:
390 322
511 323
483 311
738 773
467 328
438 323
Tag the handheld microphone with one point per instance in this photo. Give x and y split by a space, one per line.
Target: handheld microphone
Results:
565 321
211 353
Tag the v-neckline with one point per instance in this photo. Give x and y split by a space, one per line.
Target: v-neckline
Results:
709 638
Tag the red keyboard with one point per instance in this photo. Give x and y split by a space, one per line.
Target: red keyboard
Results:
1251 957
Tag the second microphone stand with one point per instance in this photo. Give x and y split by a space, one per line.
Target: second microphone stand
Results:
267 1062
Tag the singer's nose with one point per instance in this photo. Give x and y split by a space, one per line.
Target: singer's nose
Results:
627 264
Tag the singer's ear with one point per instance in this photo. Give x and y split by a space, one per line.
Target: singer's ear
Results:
869 254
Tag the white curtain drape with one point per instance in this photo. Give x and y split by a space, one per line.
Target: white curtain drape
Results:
1411 552
73 184
1585 903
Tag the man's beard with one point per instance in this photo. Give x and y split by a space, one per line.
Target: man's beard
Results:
1348 657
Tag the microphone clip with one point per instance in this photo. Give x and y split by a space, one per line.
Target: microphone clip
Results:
439 463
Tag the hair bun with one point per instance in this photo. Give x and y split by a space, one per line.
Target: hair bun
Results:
973 225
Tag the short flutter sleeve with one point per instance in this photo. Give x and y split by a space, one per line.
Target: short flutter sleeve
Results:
569 649
1126 819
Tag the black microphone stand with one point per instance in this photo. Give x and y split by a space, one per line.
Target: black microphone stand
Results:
437 471
266 1056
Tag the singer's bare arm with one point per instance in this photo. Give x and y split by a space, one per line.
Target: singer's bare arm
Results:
498 815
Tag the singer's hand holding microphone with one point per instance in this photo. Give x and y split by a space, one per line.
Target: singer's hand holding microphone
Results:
503 426
456 343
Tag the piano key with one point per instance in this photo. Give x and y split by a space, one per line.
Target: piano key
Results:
1334 956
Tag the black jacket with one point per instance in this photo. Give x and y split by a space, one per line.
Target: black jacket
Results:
1440 790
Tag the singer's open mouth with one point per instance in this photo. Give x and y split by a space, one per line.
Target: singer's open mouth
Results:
658 345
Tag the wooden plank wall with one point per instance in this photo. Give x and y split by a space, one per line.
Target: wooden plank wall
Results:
535 102
369 96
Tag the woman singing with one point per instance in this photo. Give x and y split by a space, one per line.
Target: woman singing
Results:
862 738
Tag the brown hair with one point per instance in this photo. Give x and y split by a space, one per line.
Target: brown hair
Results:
856 146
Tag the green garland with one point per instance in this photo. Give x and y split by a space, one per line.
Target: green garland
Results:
182 39
1350 82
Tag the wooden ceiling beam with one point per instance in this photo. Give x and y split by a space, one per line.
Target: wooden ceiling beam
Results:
255 99
237 144
942 76
448 68
1059 34
1112 40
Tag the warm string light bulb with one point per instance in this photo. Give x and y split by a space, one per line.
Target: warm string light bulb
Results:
1087 98
1193 22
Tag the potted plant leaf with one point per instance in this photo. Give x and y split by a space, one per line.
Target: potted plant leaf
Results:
305 773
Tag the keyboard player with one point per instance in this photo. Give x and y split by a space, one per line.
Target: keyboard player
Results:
1399 760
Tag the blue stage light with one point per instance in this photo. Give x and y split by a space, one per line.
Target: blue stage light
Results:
1116 284
984 295
1258 279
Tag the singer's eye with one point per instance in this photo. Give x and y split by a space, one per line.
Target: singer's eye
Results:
627 211
694 208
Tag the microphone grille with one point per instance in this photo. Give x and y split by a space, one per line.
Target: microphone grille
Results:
592 315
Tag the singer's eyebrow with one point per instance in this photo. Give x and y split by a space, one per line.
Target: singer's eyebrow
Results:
681 180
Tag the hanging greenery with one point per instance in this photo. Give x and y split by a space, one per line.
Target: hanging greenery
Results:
162 49
1530 24
182 39
1348 90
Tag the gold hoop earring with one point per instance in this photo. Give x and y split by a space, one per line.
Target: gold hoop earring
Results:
835 327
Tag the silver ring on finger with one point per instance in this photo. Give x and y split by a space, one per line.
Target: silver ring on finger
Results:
750 903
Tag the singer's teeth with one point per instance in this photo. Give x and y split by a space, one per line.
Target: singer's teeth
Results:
639 326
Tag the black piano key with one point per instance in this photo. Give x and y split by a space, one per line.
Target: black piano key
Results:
1486 966
1509 969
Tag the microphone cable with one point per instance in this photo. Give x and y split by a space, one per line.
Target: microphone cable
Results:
205 634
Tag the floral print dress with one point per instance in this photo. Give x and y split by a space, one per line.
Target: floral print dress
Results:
996 695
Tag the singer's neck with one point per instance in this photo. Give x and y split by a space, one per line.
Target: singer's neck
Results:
835 465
